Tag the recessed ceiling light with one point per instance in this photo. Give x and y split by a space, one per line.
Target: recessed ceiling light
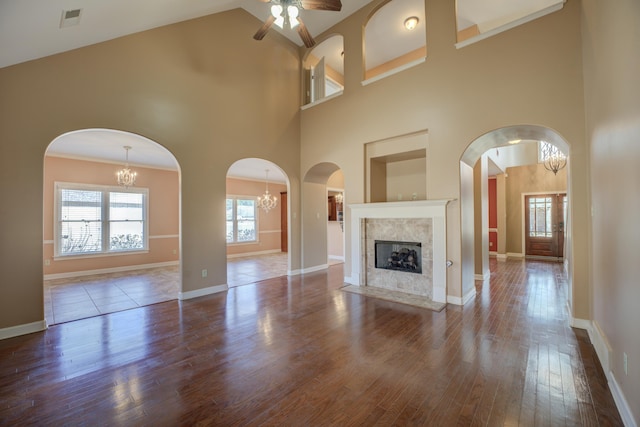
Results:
411 22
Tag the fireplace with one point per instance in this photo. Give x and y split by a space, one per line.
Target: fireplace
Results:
399 256
419 221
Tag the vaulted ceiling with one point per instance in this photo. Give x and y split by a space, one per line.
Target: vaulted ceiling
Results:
31 29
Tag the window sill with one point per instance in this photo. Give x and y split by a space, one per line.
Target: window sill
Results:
320 101
254 242
394 71
98 255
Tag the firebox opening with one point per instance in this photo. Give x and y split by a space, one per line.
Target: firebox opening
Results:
399 256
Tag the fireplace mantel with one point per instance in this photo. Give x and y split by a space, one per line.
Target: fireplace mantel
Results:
434 209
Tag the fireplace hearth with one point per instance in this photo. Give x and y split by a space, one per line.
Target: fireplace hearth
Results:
398 256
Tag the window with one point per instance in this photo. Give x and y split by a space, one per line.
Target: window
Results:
93 219
546 150
540 224
241 219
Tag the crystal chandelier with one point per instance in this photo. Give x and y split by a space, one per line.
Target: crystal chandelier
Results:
339 198
554 159
126 177
267 201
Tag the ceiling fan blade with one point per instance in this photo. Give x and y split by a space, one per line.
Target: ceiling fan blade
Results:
259 35
332 5
304 34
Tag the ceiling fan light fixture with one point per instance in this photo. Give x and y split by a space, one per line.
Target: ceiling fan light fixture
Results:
411 22
293 12
276 10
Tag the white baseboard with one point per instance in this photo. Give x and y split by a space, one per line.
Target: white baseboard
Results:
349 280
249 254
296 272
621 402
501 257
72 274
315 268
336 257
603 351
514 255
601 345
465 299
202 292
28 328
483 277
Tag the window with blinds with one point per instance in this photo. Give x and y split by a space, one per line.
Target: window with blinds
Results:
94 219
242 224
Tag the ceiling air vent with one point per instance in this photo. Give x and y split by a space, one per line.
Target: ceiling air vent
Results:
70 18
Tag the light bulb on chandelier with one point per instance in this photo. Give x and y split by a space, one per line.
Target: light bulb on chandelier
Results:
126 177
267 201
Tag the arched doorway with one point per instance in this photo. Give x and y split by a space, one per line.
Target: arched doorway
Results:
109 246
321 182
516 148
257 236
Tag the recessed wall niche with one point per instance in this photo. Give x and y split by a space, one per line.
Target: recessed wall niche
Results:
396 169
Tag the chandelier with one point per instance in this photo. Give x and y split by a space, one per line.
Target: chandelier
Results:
554 159
267 201
339 198
126 177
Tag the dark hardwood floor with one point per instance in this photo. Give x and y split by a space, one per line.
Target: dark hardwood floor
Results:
298 351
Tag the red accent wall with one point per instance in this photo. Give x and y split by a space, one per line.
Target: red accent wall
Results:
493 215
493 204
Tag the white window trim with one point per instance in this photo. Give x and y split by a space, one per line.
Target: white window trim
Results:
235 219
105 220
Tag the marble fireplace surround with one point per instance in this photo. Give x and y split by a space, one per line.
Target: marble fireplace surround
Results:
428 217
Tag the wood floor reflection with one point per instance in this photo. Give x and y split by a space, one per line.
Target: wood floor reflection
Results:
299 351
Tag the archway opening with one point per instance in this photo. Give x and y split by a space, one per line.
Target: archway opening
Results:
323 217
109 244
506 198
257 235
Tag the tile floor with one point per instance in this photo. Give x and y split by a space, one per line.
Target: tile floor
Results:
78 298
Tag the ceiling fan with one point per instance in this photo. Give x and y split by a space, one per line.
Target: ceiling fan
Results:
286 13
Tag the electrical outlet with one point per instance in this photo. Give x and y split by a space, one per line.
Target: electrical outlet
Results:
47 262
490 244
175 251
624 359
204 273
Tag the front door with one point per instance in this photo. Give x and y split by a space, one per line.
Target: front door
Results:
544 224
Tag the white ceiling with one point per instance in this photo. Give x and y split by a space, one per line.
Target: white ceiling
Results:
30 29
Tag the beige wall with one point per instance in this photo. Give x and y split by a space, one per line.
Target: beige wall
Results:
164 203
204 89
522 180
269 229
530 74
481 217
405 179
611 44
